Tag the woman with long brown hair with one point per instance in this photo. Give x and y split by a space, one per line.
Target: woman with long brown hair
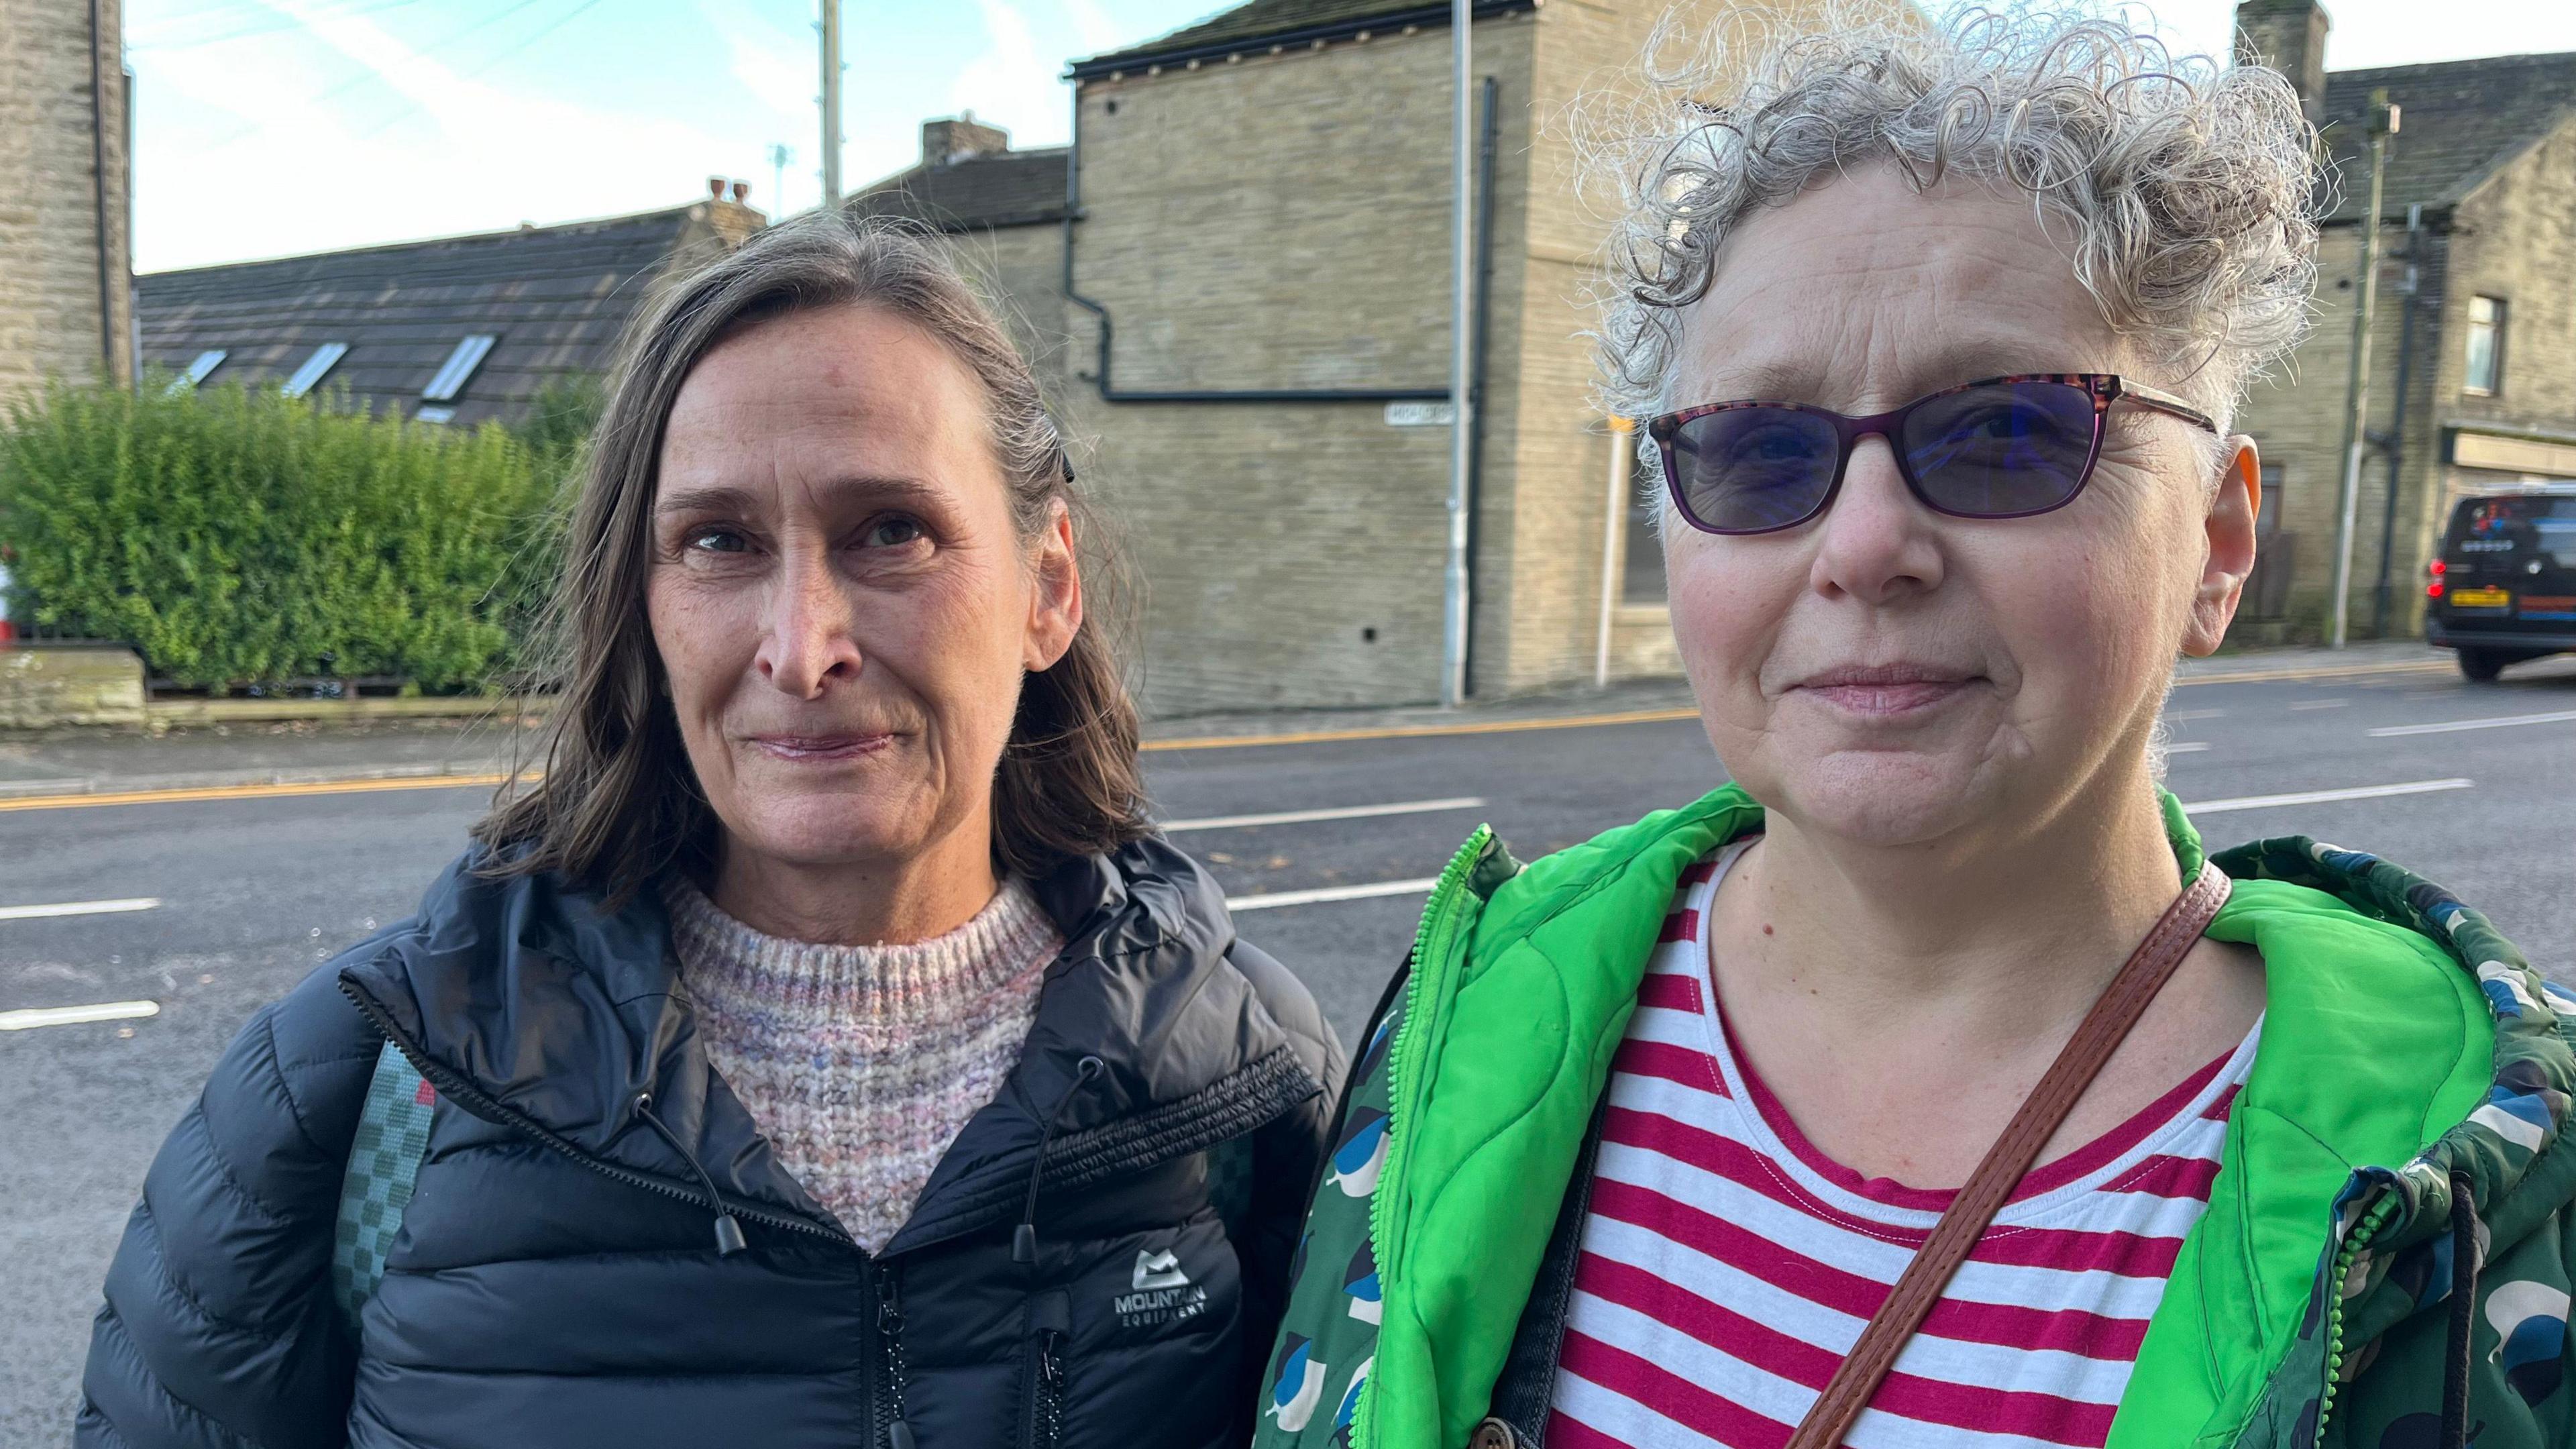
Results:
822 1050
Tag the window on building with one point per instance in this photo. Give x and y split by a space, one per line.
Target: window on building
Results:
2486 347
202 364
1641 573
2267 514
316 367
459 367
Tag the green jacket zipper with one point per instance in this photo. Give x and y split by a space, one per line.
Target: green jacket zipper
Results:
1431 954
2354 1243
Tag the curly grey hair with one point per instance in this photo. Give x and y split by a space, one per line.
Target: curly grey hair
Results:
2188 189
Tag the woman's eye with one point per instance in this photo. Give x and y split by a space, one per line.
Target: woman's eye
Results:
891 533
717 540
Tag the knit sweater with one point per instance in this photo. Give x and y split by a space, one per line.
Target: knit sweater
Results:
862 1063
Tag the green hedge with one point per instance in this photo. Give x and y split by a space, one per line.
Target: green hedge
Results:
243 537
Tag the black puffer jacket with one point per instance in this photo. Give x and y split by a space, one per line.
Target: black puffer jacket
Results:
557 1283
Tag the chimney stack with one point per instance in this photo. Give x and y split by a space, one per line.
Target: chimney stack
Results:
741 190
715 188
2290 37
949 141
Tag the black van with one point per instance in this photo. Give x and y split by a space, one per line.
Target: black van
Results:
2504 587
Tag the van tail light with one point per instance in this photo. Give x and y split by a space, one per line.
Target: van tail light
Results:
2433 590
2440 568
2436 568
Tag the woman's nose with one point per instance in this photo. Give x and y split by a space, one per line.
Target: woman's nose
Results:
1877 542
808 641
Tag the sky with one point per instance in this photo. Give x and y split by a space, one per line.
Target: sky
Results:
272 127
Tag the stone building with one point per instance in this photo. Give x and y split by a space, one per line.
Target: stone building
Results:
2473 342
457 329
65 217
1240 288
1003 213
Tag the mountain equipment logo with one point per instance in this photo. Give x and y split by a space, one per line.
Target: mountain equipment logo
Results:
1159 1270
1164 1292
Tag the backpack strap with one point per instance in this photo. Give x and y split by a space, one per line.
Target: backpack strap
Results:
393 1136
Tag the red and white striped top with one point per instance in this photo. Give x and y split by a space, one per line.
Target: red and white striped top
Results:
1727 1265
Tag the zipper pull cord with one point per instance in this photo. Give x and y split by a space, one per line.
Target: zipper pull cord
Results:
2464 1313
1024 1242
728 1232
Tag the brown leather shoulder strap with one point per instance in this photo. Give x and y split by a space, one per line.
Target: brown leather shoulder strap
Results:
2009 1160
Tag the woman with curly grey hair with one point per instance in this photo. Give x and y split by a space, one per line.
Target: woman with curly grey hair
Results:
1930 1084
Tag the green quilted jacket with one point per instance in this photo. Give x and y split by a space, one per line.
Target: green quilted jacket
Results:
2406 1101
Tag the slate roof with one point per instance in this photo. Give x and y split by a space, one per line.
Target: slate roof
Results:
1004 188
556 297
1267 21
2460 120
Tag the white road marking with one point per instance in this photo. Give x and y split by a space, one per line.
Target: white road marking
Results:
79 908
2320 797
1345 812
1326 894
2498 722
2319 703
1331 893
73 1015
2179 715
2187 747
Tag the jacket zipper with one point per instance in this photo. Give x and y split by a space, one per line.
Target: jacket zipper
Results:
886 1381
2353 1244
1430 954
1044 1422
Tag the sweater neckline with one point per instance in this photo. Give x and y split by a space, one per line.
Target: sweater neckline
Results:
946 978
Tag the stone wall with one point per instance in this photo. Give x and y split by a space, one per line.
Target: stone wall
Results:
41 688
50 323
1282 222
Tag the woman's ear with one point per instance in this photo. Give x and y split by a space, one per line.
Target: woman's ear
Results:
1055 598
2233 507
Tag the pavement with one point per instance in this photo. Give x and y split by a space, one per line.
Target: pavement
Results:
204 901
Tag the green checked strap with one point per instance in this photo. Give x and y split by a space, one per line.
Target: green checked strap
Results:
393 1135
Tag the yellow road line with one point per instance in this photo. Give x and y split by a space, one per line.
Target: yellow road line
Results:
2325 671
250 792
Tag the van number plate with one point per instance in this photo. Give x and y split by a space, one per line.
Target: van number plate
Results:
2480 599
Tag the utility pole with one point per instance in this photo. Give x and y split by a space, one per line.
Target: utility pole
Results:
2356 405
831 28
780 153
1454 601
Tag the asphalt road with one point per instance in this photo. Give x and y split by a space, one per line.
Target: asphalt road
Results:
252 892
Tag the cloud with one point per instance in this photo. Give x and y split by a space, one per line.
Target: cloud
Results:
777 68
1093 28
1013 83
317 171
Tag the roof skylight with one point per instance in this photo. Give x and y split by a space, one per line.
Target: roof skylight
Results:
460 365
315 368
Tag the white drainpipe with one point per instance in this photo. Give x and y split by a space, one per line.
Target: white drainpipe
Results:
1623 452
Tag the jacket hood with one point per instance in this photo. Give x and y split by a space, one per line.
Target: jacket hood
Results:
534 1007
2482 1048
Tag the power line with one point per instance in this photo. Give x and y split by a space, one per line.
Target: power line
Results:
371 73
433 48
350 9
567 18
